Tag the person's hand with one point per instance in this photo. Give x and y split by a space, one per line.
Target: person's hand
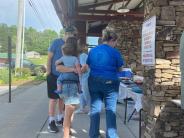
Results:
84 68
75 70
48 72
57 62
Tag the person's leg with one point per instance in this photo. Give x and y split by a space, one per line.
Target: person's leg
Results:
110 98
82 99
52 105
51 87
52 125
82 103
86 92
69 109
60 116
59 88
96 103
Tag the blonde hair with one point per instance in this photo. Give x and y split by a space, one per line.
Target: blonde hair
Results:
108 35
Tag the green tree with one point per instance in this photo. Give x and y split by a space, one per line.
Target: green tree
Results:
33 41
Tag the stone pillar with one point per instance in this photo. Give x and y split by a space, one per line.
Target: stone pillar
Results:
162 82
129 43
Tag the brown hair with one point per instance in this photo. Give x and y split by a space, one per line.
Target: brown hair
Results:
70 47
108 35
81 45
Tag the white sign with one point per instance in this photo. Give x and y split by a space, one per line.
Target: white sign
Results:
148 41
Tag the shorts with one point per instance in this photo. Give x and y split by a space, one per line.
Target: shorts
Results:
70 93
52 86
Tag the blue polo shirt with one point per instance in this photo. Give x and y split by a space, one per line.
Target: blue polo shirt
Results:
55 48
104 61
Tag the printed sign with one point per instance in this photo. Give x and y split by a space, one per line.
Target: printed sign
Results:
148 42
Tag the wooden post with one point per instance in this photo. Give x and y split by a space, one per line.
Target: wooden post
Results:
9 61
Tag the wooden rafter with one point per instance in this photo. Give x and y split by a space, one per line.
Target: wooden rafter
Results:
95 3
76 6
139 4
99 4
104 18
127 3
94 34
112 12
110 6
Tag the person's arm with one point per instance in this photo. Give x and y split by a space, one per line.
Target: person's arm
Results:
83 59
84 68
78 68
58 62
62 68
49 59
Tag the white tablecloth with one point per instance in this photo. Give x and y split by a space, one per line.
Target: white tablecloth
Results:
125 92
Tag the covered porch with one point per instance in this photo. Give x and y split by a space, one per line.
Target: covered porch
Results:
162 80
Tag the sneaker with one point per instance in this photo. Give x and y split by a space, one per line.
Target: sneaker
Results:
52 127
60 122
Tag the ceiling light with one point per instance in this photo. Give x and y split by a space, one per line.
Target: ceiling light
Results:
123 9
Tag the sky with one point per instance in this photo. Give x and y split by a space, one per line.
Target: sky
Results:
46 18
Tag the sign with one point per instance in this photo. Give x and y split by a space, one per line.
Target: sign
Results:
148 42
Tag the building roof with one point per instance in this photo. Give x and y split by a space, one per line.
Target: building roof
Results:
96 13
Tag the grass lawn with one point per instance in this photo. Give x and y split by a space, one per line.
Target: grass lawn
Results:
19 80
39 61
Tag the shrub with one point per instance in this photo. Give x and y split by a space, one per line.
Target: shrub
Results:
4 77
23 72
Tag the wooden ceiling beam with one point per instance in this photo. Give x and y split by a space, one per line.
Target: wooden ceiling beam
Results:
127 3
104 18
99 4
95 3
111 12
110 6
139 4
63 5
94 34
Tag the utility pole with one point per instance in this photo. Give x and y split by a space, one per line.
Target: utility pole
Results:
23 33
19 33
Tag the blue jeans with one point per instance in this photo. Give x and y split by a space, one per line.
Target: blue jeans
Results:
103 89
84 96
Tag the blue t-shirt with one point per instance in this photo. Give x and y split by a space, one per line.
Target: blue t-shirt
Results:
55 48
104 61
69 61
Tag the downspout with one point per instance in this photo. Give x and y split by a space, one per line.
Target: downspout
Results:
182 69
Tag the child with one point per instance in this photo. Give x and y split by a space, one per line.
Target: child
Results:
69 82
84 96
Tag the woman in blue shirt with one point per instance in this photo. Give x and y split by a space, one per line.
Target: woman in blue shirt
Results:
104 62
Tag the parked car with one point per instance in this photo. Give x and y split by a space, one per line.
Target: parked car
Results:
36 70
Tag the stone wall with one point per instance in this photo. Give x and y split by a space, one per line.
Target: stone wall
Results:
129 43
163 80
170 122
